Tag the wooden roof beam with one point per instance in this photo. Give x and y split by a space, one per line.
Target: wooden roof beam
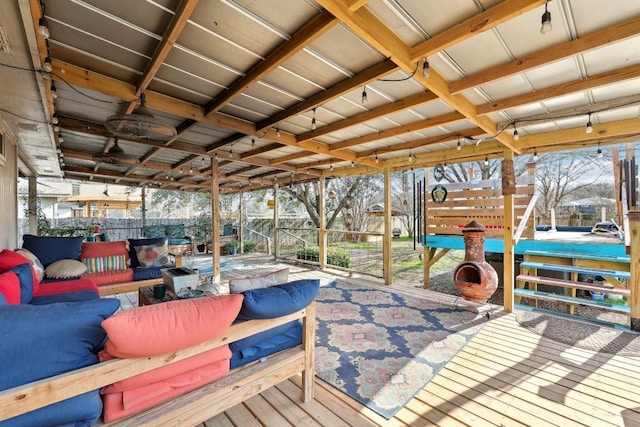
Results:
381 111
470 27
373 31
400 130
307 34
345 86
584 44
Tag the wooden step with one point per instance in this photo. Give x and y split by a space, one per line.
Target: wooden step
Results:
552 281
573 269
574 255
548 296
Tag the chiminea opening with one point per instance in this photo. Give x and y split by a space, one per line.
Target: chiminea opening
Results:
468 274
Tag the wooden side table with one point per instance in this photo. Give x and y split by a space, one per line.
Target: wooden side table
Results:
145 296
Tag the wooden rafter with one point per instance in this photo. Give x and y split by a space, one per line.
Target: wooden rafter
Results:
371 29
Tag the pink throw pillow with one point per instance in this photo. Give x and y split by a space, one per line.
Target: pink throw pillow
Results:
162 328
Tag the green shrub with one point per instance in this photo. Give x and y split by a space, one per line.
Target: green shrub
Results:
249 246
335 256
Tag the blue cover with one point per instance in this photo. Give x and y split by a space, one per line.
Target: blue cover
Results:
279 300
263 336
288 339
50 249
75 296
141 242
141 273
25 276
38 342
179 241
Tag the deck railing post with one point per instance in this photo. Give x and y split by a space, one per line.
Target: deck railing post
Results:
634 280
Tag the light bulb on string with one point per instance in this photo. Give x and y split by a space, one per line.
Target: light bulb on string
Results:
589 128
535 155
313 120
364 99
425 68
546 21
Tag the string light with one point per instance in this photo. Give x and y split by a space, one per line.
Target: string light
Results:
425 68
253 142
43 29
278 131
589 127
459 146
54 92
599 151
313 120
47 65
353 164
410 155
546 21
54 119
377 160
486 161
515 133
331 167
535 155
191 168
364 99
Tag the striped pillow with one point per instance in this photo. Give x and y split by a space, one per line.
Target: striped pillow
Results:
105 263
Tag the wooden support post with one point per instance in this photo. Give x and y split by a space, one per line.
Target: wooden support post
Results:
322 233
241 223
634 281
308 345
386 244
508 258
276 219
32 203
215 220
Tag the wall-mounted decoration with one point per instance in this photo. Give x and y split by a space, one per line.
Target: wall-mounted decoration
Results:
438 172
439 194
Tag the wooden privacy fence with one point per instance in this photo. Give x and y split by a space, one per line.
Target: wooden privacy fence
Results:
481 201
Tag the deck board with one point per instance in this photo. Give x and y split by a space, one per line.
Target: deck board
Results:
505 376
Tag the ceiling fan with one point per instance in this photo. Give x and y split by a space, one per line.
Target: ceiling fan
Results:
116 156
139 124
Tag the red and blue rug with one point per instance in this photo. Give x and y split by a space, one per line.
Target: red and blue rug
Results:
382 348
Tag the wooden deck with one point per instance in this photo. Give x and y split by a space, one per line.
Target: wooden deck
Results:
506 376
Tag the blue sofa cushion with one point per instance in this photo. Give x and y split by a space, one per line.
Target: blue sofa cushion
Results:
75 296
279 300
141 273
49 249
258 338
141 242
287 339
25 276
42 341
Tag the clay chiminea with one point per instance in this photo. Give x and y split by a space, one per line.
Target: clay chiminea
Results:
474 277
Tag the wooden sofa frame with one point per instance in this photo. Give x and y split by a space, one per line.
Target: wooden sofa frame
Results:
193 407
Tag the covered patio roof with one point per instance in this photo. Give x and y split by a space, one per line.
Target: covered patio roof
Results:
274 91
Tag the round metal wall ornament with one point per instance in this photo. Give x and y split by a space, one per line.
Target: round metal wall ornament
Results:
439 194
438 172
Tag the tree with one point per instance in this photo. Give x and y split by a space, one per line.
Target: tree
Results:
166 201
560 175
353 196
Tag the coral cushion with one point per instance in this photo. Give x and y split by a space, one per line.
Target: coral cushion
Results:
167 371
53 288
110 277
240 285
49 249
10 287
121 404
163 328
279 300
102 249
65 269
49 340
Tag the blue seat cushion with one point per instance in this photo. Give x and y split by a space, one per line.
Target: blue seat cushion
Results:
291 337
49 249
179 242
141 273
279 300
74 296
41 341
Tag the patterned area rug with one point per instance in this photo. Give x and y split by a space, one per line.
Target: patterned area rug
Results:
382 348
580 334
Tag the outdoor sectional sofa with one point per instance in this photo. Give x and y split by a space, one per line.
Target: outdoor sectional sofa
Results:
63 361
114 266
